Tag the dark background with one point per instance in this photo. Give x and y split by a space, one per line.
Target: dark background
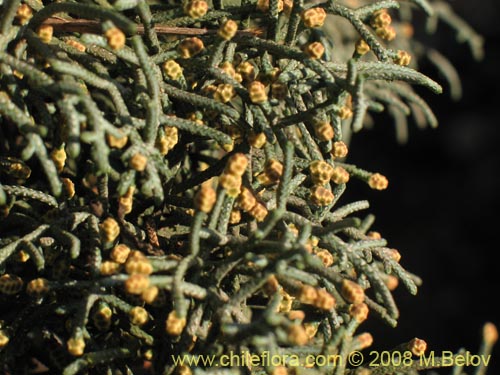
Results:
442 207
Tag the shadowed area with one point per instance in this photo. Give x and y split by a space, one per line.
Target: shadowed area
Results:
441 208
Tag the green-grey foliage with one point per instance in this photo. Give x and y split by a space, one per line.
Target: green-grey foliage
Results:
218 161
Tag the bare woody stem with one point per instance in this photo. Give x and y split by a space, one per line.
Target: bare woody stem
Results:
94 27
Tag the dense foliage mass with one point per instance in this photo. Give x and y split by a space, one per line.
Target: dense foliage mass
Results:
171 180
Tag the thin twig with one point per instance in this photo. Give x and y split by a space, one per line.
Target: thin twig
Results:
94 27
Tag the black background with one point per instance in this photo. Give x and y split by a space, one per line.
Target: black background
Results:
441 209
